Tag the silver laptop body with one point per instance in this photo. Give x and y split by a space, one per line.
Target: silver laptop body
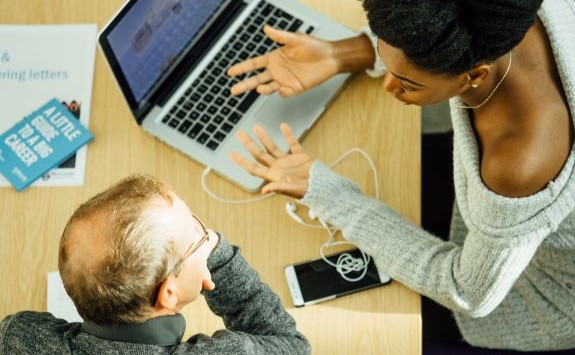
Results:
166 94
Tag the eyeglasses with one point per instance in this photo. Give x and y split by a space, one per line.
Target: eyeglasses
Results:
187 254
192 248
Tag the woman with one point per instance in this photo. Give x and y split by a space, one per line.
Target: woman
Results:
508 68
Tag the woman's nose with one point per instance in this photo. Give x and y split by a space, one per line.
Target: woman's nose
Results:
391 84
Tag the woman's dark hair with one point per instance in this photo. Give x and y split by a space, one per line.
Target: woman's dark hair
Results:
451 36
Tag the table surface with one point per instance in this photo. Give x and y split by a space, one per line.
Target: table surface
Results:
385 320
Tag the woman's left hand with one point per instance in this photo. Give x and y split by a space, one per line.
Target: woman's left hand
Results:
286 173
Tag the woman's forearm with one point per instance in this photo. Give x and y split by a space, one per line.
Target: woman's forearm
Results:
354 54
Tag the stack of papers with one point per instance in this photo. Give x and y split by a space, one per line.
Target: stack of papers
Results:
41 62
59 303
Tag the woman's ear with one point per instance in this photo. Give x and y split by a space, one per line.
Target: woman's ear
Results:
477 75
167 296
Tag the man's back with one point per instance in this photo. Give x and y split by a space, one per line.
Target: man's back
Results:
255 320
36 333
42 333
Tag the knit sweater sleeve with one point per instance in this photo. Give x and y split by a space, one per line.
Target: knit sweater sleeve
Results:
256 322
4 324
472 278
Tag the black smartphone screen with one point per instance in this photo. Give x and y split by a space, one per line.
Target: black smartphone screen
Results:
317 279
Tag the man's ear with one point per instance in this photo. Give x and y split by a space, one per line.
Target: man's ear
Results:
167 296
476 76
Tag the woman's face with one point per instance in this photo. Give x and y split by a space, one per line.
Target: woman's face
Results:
412 85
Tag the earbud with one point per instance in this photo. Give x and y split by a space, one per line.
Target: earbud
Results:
311 214
290 209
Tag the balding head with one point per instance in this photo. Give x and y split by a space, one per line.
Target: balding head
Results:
87 242
113 253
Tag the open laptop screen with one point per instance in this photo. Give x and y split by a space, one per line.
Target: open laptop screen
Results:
149 38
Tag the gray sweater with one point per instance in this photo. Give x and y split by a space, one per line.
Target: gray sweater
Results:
508 271
256 323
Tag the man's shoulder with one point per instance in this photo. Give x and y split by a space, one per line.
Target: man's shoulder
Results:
35 318
27 331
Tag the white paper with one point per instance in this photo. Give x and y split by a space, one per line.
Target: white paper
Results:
59 303
40 62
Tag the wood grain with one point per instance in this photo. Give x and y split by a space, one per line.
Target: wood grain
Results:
379 321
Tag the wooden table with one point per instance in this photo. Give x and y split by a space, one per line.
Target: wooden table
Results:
380 321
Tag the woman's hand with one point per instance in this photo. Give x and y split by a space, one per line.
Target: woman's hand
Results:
287 173
301 63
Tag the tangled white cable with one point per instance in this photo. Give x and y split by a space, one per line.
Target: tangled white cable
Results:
346 263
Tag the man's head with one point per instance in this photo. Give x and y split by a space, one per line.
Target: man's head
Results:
124 254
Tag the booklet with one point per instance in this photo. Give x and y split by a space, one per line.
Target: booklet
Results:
40 142
41 62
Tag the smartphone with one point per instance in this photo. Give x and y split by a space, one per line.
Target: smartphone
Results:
316 281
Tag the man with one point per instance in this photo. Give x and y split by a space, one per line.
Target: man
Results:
131 258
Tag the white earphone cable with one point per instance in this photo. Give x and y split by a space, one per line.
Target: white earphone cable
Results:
345 263
216 197
369 161
225 200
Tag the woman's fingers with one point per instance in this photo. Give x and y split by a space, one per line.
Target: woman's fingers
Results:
252 167
267 89
251 83
268 143
259 153
287 173
279 36
284 185
248 65
293 143
286 91
290 188
259 62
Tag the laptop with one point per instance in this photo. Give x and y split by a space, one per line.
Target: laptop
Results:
170 59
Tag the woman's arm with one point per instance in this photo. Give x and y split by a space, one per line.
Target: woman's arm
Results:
302 62
473 278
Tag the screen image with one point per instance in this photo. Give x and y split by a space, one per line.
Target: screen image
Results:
318 279
154 34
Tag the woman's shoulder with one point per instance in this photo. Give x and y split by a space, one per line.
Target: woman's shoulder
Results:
527 143
522 160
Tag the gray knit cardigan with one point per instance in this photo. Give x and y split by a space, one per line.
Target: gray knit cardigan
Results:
508 271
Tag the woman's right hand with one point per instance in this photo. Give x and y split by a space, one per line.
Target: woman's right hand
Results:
301 63
285 172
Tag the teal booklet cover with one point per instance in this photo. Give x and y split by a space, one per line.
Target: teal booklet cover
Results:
39 62
40 142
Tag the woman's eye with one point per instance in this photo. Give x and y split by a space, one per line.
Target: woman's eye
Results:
406 87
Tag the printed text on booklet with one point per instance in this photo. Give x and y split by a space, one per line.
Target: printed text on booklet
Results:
39 142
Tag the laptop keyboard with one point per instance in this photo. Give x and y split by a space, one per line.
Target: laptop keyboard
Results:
207 112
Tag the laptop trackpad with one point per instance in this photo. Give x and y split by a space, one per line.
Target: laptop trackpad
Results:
299 112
